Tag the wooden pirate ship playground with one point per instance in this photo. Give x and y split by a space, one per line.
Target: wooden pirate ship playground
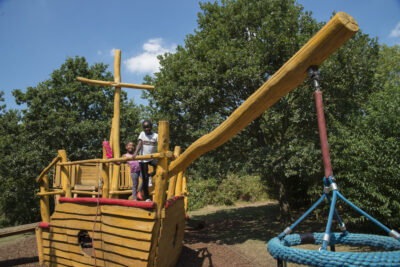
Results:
94 222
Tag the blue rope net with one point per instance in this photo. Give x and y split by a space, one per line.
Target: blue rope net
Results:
281 249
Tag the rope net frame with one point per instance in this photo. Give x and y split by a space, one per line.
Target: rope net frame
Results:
281 247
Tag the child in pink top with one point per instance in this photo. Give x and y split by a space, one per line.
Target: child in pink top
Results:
134 166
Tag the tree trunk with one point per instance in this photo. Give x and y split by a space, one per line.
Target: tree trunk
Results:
285 213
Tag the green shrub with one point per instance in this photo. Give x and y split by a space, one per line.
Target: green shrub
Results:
201 192
233 187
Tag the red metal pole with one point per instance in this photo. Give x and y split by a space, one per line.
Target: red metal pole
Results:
322 134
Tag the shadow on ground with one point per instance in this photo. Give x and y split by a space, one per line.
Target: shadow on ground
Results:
19 261
238 225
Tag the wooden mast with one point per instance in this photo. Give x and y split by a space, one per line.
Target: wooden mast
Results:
115 125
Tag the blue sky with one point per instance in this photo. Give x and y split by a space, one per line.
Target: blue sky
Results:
37 36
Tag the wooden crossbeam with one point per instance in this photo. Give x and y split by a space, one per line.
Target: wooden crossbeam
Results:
115 84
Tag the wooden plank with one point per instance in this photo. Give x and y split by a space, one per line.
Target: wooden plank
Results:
57 178
80 192
65 182
127 242
125 177
128 212
330 38
76 259
52 236
76 224
71 237
133 224
74 232
48 193
38 233
16 230
134 228
85 187
88 175
126 261
74 253
49 245
171 236
68 216
77 208
54 261
126 232
161 177
73 175
54 161
56 257
129 252
172 181
116 84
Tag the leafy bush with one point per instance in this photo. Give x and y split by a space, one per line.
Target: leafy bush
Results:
234 187
201 192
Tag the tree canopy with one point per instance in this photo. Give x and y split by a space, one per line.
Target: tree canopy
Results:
61 113
237 46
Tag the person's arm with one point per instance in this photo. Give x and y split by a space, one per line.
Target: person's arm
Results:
119 163
138 147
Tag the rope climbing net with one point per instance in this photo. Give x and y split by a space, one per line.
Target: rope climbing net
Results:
281 247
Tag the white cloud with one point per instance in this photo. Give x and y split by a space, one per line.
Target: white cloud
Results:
147 61
99 52
112 52
396 31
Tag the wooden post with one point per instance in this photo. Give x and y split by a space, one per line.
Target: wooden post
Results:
66 186
117 102
185 192
106 178
116 122
38 232
172 182
330 38
162 167
44 200
178 188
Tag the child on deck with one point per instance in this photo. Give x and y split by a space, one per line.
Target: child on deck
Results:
134 166
147 145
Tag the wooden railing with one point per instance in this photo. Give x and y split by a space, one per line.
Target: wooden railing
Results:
95 177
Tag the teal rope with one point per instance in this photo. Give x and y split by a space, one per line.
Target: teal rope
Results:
281 248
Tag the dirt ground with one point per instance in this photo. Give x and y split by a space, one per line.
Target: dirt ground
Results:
214 236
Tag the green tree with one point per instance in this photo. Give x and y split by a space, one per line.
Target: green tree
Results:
366 154
61 113
236 47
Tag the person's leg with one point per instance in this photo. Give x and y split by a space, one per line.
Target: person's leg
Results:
144 169
135 180
154 164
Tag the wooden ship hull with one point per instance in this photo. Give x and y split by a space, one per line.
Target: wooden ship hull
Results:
131 233
126 233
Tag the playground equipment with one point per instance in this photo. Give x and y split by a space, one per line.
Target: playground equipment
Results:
124 232
280 247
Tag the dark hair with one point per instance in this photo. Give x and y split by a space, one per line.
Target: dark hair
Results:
149 122
126 143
